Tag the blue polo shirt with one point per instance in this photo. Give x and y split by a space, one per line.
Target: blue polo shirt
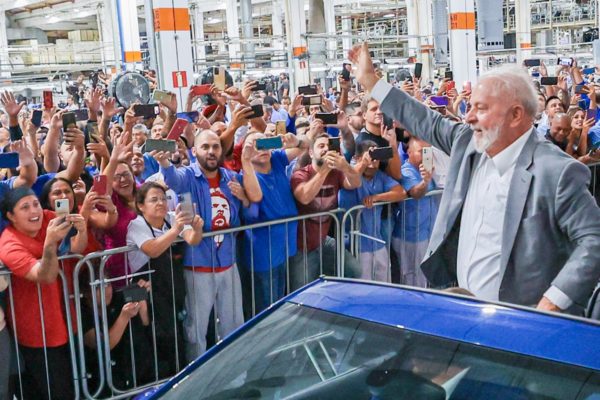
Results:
370 218
415 218
218 251
269 243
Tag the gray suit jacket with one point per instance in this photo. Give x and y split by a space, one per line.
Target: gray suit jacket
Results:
552 224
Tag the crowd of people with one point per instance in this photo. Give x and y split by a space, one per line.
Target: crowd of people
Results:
107 182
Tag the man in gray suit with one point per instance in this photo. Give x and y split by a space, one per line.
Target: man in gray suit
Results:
516 222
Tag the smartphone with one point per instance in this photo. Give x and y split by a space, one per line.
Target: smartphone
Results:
280 128
381 153
467 86
257 111
259 86
591 113
161 96
532 63
134 294
580 89
312 100
200 90
589 71
36 118
146 110
69 121
568 61
307 90
345 72
270 143
9 160
177 129
418 70
427 158
334 144
160 145
187 206
450 85
449 75
99 185
219 77
61 207
189 116
48 100
549 80
93 132
441 101
81 114
15 133
388 122
327 118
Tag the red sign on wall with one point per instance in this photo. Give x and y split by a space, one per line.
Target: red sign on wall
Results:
179 79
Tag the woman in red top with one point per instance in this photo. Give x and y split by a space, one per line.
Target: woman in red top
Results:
29 249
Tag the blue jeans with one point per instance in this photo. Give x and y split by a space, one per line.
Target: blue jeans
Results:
306 267
269 286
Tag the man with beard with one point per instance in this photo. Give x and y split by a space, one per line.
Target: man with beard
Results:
211 274
516 221
316 188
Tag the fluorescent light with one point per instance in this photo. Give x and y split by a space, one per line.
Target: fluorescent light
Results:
389 15
53 20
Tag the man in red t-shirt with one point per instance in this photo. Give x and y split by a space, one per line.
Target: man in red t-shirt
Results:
316 188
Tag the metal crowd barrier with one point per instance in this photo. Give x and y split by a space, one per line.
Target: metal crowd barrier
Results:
379 236
85 282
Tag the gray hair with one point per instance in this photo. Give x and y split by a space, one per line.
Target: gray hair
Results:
141 128
559 115
513 83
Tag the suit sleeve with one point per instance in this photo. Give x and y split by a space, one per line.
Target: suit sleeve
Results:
417 118
578 217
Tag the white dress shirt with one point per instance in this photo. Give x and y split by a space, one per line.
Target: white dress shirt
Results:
481 226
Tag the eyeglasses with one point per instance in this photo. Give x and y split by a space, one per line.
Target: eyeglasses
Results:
124 175
155 200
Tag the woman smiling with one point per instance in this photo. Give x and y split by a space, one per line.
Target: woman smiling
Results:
29 249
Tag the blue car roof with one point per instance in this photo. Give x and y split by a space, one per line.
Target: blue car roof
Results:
495 325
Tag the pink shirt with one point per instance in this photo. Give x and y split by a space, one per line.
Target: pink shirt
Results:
117 237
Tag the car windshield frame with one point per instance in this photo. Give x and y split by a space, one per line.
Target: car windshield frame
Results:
325 368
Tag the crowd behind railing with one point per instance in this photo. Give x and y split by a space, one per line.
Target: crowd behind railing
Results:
134 239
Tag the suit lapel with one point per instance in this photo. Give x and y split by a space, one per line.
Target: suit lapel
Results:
517 197
470 160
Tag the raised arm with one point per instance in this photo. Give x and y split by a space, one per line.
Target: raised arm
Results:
413 115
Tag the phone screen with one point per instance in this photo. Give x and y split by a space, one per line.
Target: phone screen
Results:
418 70
36 118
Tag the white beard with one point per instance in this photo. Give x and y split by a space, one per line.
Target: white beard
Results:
487 138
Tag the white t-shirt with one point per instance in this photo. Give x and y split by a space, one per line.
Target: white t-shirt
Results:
139 233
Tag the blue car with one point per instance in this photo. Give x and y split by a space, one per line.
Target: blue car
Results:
345 339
